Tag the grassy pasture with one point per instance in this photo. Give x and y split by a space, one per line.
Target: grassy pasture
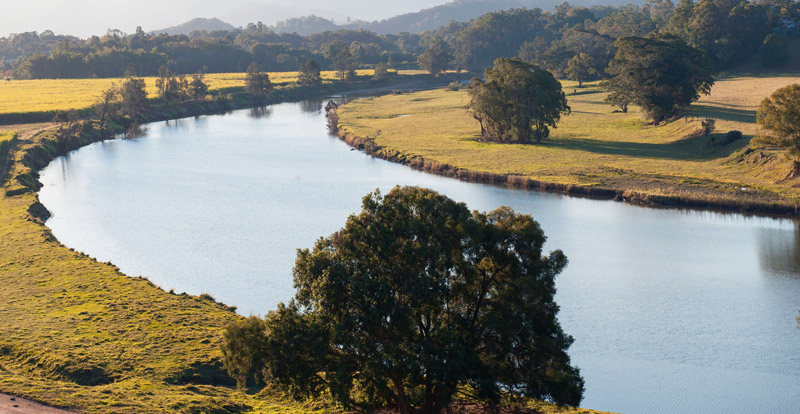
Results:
42 95
594 146
79 334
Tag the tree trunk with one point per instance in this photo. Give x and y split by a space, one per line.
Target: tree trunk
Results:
400 398
795 169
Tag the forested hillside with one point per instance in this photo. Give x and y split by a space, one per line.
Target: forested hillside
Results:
729 31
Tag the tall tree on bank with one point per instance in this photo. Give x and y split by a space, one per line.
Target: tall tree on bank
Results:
106 104
660 74
580 68
518 102
342 59
779 117
435 59
133 94
414 299
256 83
309 74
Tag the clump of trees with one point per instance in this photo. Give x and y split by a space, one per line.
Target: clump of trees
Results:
381 72
580 68
774 51
129 100
173 88
661 74
342 60
414 300
779 117
256 82
309 74
436 58
518 102
133 99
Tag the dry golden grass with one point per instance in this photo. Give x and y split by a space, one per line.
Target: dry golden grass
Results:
66 318
593 146
42 95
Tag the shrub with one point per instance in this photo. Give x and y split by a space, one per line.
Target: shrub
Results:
708 125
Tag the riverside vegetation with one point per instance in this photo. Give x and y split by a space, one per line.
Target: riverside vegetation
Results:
23 101
79 334
595 150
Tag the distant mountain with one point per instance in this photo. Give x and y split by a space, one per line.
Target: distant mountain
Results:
270 13
427 19
418 22
435 17
306 25
208 25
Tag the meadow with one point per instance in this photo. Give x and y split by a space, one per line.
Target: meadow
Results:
44 95
594 146
79 334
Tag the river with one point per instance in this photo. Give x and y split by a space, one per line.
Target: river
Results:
672 311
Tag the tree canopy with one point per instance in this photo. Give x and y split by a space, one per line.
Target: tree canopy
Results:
133 94
436 58
660 74
256 83
309 74
518 102
414 299
779 117
580 68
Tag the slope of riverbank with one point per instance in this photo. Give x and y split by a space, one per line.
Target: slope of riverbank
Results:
79 334
595 151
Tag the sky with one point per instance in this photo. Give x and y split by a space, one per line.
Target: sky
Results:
93 17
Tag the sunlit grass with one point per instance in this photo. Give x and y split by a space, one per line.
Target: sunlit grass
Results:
65 318
594 146
42 95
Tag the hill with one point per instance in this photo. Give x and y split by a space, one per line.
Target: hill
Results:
198 24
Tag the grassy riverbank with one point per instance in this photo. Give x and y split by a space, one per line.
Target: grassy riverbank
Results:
79 334
595 150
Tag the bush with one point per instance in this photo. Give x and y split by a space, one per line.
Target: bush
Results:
708 126
453 86
414 299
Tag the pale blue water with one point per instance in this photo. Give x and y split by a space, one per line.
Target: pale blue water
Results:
672 311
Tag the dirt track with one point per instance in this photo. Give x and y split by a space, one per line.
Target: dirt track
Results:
15 405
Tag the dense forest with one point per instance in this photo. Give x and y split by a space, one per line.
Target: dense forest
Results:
727 30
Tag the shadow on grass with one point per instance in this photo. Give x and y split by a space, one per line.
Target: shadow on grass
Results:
727 114
687 149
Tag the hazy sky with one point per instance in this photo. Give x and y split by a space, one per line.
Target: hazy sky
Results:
87 17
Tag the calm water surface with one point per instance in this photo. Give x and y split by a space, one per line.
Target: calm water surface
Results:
672 311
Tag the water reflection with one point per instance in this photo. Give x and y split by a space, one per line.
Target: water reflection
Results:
311 106
136 131
779 252
260 112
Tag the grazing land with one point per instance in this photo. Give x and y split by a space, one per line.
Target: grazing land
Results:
81 335
43 95
595 147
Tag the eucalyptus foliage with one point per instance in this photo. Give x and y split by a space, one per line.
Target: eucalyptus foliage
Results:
779 117
416 299
661 74
518 102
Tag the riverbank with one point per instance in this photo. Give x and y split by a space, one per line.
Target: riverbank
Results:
80 334
595 151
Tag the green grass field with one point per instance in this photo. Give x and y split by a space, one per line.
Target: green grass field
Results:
79 334
594 146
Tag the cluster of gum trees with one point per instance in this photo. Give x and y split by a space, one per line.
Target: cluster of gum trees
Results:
415 302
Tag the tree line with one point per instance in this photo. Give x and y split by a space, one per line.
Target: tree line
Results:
574 41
